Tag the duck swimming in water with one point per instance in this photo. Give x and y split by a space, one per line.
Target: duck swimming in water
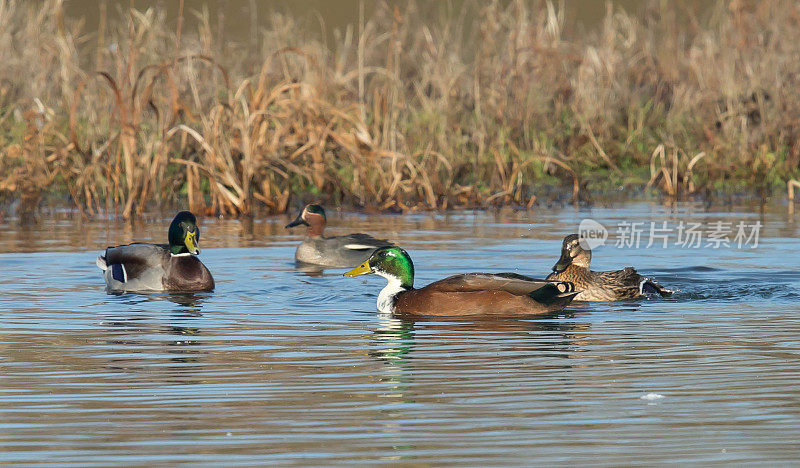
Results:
469 294
344 251
159 267
573 266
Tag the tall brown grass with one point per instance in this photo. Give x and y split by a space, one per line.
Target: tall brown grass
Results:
406 110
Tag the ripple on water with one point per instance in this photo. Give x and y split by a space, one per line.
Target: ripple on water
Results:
280 365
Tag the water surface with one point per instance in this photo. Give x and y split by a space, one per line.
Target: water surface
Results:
282 366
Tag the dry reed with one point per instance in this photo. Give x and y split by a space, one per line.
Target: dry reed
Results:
409 110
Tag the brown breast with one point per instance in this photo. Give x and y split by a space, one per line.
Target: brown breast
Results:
187 273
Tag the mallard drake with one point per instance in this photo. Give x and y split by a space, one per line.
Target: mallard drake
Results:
617 285
469 294
335 252
159 267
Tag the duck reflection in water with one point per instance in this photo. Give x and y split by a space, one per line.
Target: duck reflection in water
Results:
189 310
394 340
411 349
132 331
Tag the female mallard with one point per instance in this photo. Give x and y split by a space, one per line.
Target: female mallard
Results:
334 252
617 285
475 294
159 267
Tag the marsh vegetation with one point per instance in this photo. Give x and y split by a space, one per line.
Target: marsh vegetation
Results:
405 110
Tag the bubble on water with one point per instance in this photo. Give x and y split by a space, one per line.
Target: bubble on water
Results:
652 396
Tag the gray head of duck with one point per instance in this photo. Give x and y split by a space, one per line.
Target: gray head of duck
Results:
393 263
573 252
313 216
184 235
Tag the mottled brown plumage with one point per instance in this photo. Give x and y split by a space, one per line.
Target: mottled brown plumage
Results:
574 266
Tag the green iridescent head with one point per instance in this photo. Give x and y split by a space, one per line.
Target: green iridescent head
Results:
315 209
389 262
184 235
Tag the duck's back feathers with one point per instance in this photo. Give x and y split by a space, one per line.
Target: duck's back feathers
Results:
345 251
609 285
485 294
629 279
134 267
137 258
360 241
625 277
510 282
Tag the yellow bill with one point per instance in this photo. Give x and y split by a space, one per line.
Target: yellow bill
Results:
191 243
362 269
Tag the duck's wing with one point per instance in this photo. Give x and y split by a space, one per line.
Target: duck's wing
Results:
649 286
513 283
362 242
626 277
630 278
486 294
133 264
